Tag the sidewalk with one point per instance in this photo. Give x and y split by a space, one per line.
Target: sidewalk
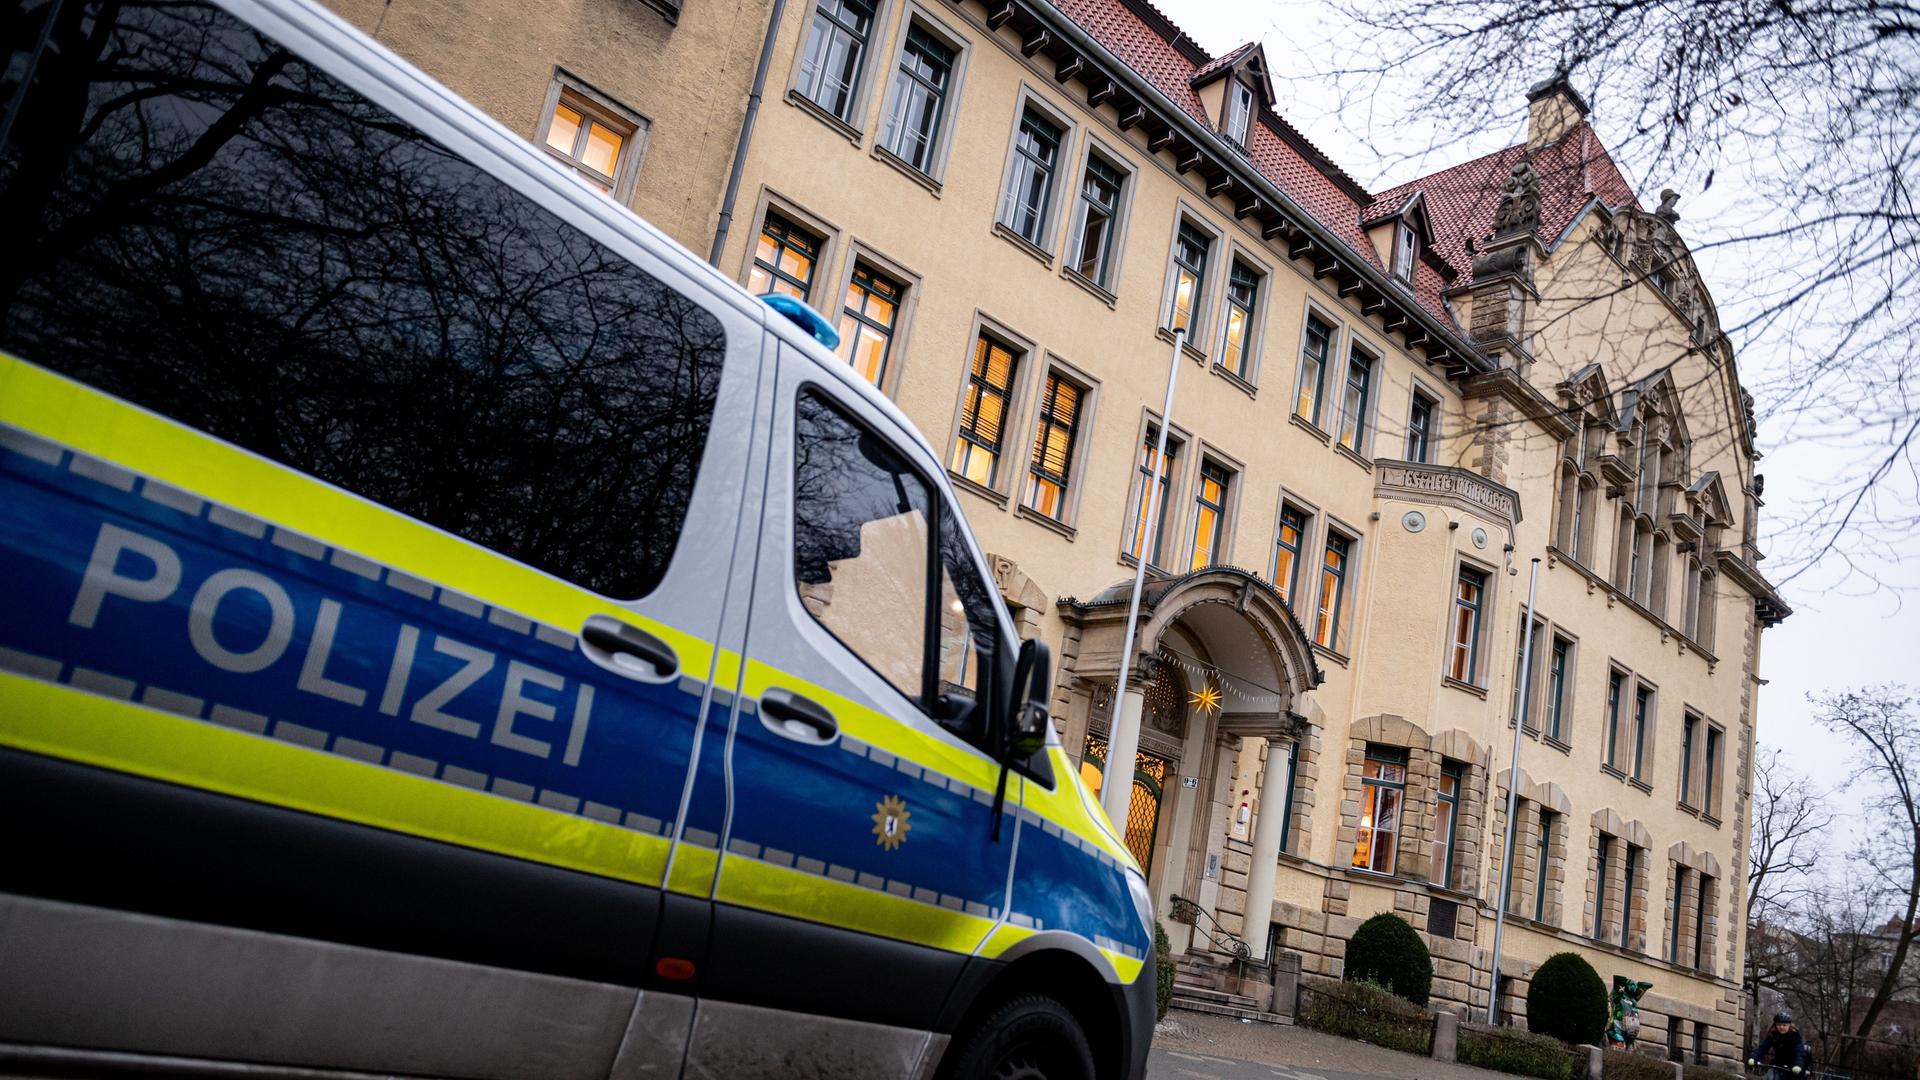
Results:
1299 1048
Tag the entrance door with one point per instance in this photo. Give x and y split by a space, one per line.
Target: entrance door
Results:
1143 805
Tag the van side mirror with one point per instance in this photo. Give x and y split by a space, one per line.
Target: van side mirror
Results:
1027 713
1023 729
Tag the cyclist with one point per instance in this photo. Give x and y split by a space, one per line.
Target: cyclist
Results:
1783 1052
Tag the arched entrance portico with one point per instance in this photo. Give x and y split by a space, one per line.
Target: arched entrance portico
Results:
1220 659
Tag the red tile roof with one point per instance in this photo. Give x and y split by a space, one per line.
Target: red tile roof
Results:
1461 200
1225 59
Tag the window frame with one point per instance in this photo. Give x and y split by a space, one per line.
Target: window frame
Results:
1108 280
1406 250
1335 338
1692 741
1370 803
1455 771
858 251
1427 434
1011 422
1085 414
852 126
1238 110
1559 703
940 150
1171 518
1600 867
1543 851
1363 355
1197 326
1476 646
1251 350
1644 724
771 201
1288 589
1342 605
1712 763
1619 682
1228 475
1047 242
578 94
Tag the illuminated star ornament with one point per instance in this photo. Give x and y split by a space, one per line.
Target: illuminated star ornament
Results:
890 822
1206 699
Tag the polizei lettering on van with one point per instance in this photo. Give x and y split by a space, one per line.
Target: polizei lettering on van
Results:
135 590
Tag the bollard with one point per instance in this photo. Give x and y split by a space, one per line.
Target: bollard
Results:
1446 1035
1286 983
1595 1062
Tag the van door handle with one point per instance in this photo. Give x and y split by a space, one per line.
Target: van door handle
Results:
798 718
628 650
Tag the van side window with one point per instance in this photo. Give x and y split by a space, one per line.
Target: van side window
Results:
862 534
863 528
204 224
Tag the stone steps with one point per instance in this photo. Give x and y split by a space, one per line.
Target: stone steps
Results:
1212 996
1187 1004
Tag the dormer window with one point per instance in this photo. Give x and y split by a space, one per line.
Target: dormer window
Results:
1239 111
1406 248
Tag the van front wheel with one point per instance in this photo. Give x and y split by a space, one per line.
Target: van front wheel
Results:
1028 1038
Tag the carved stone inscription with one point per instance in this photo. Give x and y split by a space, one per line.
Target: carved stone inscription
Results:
1400 479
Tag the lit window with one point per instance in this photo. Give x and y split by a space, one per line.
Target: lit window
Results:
1210 514
1144 475
919 99
1313 369
592 140
1189 278
836 45
1099 211
1463 661
866 322
1420 428
1036 149
1445 820
1383 786
783 261
1243 291
1051 470
983 412
1286 558
1353 403
1333 587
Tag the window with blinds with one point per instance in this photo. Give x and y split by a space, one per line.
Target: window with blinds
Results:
983 411
1051 471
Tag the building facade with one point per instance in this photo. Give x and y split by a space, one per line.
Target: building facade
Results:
1390 406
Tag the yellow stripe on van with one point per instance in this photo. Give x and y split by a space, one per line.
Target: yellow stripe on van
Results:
783 890
75 725
82 418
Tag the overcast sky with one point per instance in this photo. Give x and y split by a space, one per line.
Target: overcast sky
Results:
1841 634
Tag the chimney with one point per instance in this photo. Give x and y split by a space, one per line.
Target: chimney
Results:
1553 108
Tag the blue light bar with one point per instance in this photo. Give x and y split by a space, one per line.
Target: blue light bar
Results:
804 317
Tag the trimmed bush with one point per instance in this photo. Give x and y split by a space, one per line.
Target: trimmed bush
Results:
1358 1010
1629 1065
1567 1000
1163 968
1387 951
1510 1050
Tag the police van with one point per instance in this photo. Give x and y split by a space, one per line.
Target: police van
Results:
447 629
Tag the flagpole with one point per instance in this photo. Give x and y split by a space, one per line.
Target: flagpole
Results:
1123 740
1513 794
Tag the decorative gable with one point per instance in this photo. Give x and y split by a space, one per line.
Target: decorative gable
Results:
1650 246
1233 88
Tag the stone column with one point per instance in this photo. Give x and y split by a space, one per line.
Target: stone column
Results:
1266 848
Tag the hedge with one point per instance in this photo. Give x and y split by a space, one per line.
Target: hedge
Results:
1627 1065
1388 951
1510 1050
1163 968
1359 1010
1704 1072
1567 1000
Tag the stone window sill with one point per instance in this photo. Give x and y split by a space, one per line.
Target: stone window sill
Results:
1042 520
1237 382
819 112
881 153
1092 286
1186 347
1042 255
1365 465
1557 744
997 498
1309 427
1336 657
1466 687
1644 787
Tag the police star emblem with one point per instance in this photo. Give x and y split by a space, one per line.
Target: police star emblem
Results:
890 822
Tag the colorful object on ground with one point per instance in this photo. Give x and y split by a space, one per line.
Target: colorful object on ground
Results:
1624 1029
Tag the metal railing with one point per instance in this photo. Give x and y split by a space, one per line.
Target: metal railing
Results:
1189 912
